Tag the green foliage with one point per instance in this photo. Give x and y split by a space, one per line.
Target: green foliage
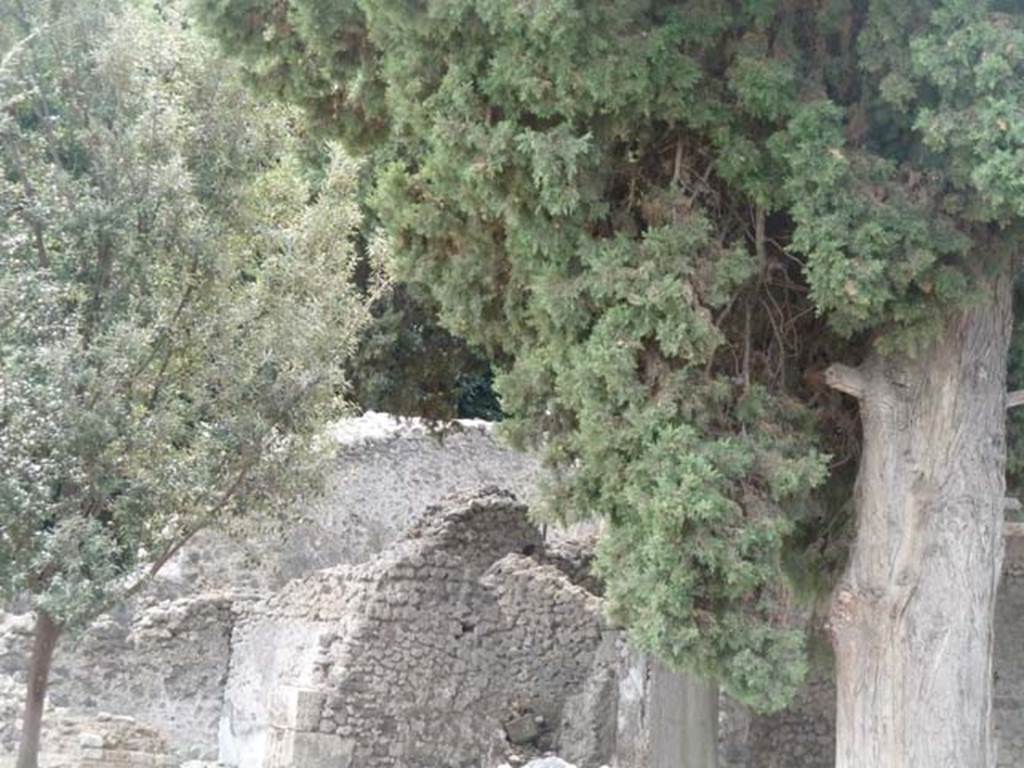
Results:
316 55
666 218
407 364
849 201
176 301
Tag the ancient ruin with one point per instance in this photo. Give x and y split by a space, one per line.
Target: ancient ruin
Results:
164 658
456 646
410 620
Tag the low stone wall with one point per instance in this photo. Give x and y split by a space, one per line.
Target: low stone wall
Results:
99 741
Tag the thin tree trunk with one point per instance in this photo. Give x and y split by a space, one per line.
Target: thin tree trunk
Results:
911 620
46 634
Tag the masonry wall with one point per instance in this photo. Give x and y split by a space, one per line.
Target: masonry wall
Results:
385 474
164 658
458 646
76 740
158 670
1008 698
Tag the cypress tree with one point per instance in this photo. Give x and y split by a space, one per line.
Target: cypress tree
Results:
748 266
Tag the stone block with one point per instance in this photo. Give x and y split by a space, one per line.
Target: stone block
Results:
90 740
292 749
303 708
522 730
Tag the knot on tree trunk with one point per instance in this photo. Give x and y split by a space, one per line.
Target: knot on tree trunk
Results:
842 612
850 381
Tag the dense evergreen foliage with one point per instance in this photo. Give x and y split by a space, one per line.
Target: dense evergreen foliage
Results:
176 298
668 217
407 364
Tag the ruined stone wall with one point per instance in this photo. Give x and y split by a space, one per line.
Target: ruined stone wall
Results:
164 665
800 736
526 635
100 741
164 658
1008 695
161 662
457 647
385 473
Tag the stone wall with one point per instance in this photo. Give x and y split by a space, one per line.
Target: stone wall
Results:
1008 698
163 659
801 736
165 666
99 741
385 473
162 662
459 646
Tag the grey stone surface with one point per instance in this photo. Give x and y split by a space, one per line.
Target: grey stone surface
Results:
664 719
521 730
385 474
164 663
1008 694
99 740
455 647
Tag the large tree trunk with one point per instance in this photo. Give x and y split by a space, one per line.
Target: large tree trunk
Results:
46 633
911 620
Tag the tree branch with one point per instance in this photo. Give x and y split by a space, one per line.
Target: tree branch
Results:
15 49
33 222
847 380
1015 398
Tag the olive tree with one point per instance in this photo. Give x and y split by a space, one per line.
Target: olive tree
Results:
176 306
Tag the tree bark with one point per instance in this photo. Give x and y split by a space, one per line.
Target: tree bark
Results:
47 631
911 620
